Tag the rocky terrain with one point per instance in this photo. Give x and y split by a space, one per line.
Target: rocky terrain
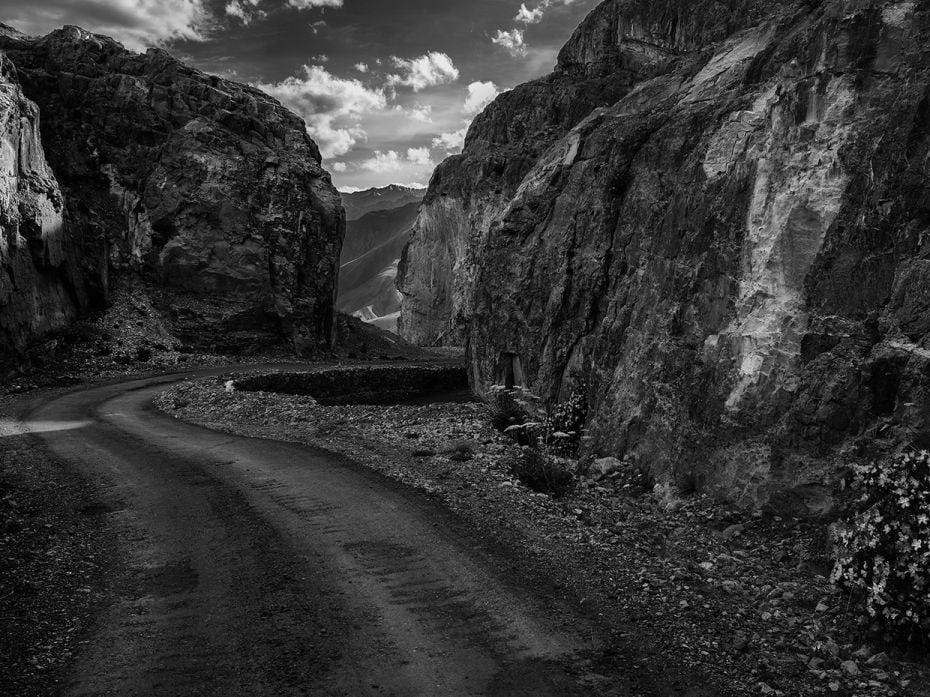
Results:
740 599
713 218
378 225
120 167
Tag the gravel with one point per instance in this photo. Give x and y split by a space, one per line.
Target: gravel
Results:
742 599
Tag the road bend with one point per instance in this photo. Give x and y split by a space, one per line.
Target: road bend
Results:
257 567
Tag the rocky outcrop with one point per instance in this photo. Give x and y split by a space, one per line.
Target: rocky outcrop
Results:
209 190
42 288
733 256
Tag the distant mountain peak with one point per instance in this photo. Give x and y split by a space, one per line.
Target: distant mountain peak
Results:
359 203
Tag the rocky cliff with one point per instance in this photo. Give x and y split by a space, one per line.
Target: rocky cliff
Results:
41 290
729 248
210 191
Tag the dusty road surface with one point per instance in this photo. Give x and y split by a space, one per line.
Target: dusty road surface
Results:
258 567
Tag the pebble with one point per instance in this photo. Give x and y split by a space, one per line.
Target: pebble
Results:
850 668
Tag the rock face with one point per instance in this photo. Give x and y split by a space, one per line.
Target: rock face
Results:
732 254
209 190
41 286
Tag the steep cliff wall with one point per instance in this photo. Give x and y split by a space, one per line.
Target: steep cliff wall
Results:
210 190
42 288
734 257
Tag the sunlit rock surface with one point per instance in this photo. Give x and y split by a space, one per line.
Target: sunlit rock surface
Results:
730 246
40 287
209 190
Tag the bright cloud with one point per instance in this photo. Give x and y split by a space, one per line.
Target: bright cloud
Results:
433 68
527 16
480 94
420 157
138 24
452 143
382 162
331 106
421 112
511 40
361 67
309 4
339 166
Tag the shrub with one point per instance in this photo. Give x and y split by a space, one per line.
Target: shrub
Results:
667 497
511 412
520 414
885 548
564 425
543 472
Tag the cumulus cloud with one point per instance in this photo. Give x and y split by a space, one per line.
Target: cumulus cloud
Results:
527 16
511 40
382 162
420 157
138 24
452 143
309 4
433 68
480 94
361 67
421 112
331 106
339 166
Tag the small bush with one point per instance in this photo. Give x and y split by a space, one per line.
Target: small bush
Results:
512 412
543 472
564 425
885 548
667 497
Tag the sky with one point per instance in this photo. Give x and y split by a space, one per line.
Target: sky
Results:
387 87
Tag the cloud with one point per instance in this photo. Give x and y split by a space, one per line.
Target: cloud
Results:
244 10
421 112
420 157
361 67
310 4
433 68
138 24
527 16
480 94
511 40
331 106
452 143
338 166
382 162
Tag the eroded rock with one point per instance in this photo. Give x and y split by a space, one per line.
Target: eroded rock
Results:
209 190
729 248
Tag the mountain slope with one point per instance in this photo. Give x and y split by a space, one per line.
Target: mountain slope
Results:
727 251
368 266
360 203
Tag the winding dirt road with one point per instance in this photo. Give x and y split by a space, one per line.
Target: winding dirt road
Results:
260 567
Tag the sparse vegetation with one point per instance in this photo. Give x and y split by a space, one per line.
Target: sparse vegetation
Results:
667 497
884 559
548 438
541 471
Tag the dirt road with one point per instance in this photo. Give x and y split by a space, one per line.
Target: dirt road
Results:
266 568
